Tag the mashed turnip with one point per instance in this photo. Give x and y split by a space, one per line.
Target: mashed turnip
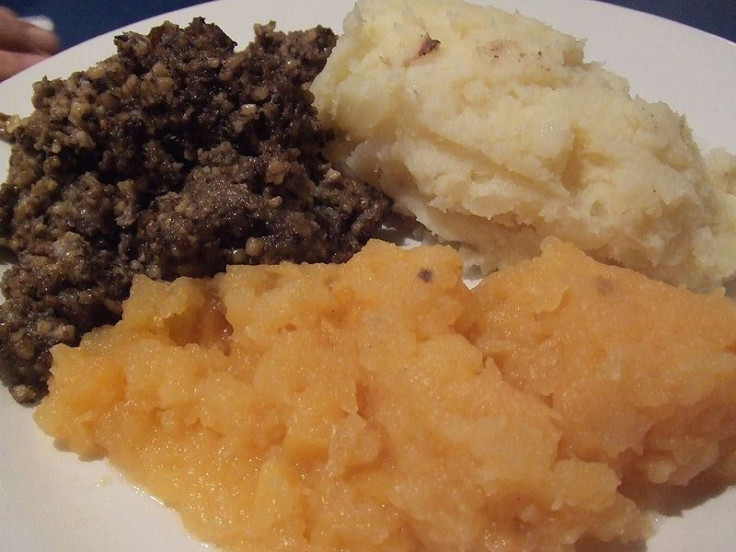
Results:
382 405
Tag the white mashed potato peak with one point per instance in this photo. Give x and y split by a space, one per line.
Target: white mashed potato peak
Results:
492 130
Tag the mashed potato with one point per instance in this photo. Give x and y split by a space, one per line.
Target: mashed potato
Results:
382 405
492 130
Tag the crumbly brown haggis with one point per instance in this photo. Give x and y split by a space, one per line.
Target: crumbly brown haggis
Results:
174 157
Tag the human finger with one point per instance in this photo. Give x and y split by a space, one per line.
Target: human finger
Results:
14 62
17 35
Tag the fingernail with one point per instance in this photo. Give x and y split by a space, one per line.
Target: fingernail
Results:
41 40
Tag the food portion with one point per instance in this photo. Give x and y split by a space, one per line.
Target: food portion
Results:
383 405
641 375
176 156
494 132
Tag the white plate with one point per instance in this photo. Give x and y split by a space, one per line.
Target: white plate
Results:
50 501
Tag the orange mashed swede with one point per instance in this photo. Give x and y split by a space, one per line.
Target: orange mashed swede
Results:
383 405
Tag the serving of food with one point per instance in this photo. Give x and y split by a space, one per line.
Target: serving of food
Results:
523 137
284 380
175 157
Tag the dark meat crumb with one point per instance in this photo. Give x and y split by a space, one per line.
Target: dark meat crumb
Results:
4 126
426 275
175 157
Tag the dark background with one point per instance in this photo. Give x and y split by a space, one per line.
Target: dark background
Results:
78 20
